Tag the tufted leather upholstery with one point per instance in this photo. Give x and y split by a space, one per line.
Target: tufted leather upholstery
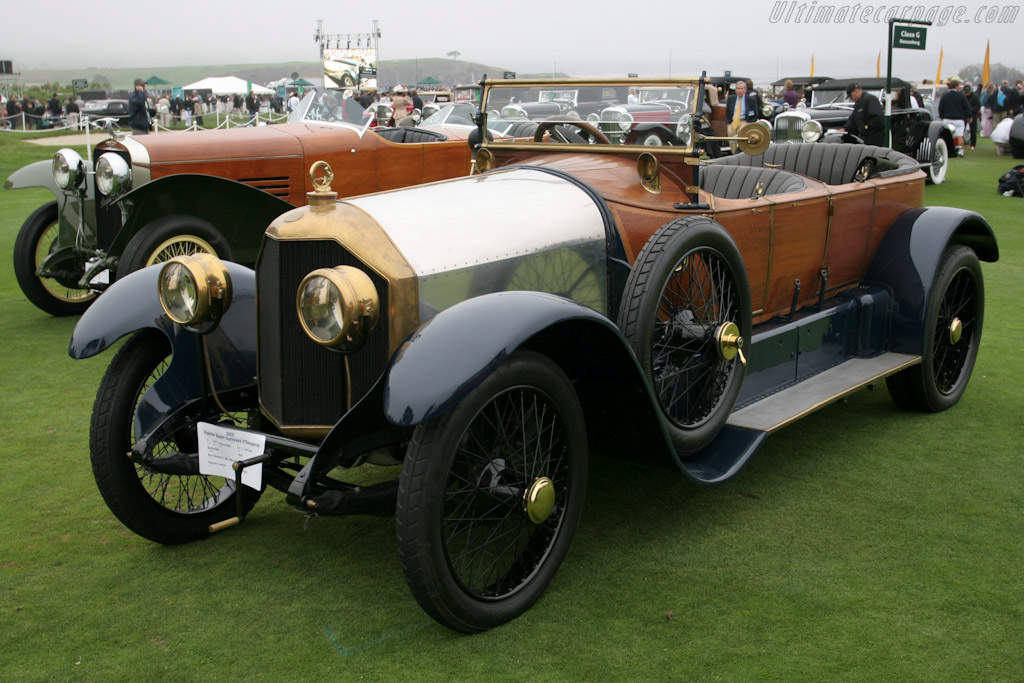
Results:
405 134
740 182
831 163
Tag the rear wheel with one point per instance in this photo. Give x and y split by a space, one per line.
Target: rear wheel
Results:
165 238
36 240
952 327
490 496
686 313
163 507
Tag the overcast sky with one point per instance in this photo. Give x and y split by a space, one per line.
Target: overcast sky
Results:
762 39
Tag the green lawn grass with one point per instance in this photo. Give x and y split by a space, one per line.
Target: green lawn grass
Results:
863 543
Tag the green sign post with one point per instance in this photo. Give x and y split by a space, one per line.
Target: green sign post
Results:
909 34
909 37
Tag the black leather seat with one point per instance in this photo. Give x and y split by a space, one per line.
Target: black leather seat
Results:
831 163
740 182
404 134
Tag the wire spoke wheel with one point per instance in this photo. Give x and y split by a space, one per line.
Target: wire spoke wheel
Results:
952 330
490 495
37 239
686 313
182 245
164 498
492 546
690 377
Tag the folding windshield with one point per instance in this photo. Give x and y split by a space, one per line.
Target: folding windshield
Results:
331 105
602 114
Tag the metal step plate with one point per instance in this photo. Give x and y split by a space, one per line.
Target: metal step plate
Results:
778 410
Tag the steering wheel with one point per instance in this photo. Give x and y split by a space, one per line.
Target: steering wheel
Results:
589 128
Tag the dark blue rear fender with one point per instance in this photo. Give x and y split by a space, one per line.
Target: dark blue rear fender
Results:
131 304
239 212
450 355
908 257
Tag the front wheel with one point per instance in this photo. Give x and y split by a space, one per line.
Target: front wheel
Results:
166 508
37 238
952 331
165 238
940 161
686 313
490 496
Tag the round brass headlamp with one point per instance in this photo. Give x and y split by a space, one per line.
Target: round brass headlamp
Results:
338 306
195 289
68 169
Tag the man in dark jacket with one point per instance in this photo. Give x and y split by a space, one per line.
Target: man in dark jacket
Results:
867 121
138 116
54 106
975 102
955 110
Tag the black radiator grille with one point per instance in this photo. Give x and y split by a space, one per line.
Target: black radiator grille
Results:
301 382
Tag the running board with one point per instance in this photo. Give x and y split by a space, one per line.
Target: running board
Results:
778 410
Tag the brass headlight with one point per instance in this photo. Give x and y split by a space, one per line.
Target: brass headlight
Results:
338 307
811 131
195 290
113 177
68 169
625 121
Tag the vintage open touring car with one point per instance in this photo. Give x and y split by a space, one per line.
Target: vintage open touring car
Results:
141 200
577 294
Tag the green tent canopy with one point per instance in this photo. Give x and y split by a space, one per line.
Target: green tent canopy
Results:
302 82
429 80
156 80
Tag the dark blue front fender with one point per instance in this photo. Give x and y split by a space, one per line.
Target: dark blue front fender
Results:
131 304
908 257
451 354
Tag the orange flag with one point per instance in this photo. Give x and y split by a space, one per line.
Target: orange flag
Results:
812 63
938 74
984 69
878 65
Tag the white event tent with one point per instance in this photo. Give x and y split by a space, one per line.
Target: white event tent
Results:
226 85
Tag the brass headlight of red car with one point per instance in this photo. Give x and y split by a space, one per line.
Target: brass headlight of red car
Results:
338 307
195 290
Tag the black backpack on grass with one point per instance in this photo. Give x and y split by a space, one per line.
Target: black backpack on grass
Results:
1011 183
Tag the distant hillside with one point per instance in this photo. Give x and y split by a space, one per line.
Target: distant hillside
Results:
400 71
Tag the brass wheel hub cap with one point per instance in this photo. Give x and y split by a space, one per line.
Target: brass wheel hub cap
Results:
728 341
539 500
956 330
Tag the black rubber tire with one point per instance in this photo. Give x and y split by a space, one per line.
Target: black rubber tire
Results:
161 507
938 382
706 385
33 243
168 237
499 419
937 176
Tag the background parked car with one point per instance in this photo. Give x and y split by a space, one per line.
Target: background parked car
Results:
913 130
153 197
107 109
